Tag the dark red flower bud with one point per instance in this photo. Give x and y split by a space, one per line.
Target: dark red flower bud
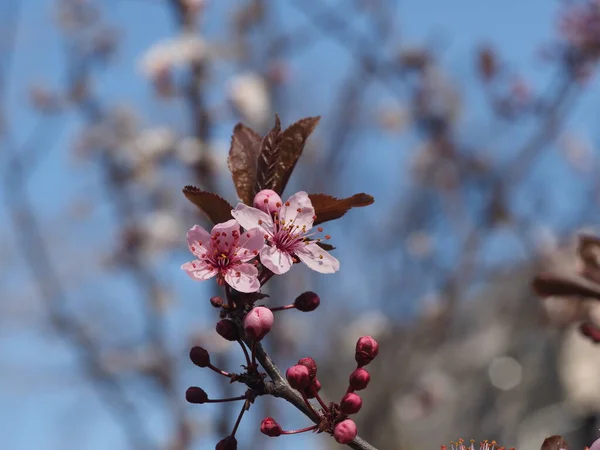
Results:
270 427
366 350
216 301
199 356
590 331
351 403
310 364
345 431
298 377
258 323
313 388
196 395
359 379
308 301
227 329
228 443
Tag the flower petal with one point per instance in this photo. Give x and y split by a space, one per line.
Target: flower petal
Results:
243 278
275 260
199 270
198 240
226 227
298 210
250 218
250 244
317 259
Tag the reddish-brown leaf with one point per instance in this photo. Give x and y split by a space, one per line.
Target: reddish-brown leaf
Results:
267 158
331 208
550 284
242 161
291 145
555 443
216 208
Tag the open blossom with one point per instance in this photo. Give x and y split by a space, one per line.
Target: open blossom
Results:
287 233
224 253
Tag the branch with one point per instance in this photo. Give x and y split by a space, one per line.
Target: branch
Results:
279 387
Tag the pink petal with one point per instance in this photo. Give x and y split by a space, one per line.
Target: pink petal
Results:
317 259
226 227
199 270
275 260
250 244
198 240
250 218
298 202
243 278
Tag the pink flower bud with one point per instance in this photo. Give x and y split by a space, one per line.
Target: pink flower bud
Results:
216 301
359 379
228 330
351 403
366 350
595 445
196 395
345 431
306 302
228 443
199 356
298 377
313 388
258 323
310 364
268 201
270 427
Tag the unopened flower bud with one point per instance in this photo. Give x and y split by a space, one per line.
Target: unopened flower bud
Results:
345 431
298 377
367 349
351 403
228 443
359 379
196 395
270 427
258 323
313 388
306 302
216 301
199 356
310 364
268 201
227 329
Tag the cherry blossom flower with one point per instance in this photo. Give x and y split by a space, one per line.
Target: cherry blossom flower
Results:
287 233
224 253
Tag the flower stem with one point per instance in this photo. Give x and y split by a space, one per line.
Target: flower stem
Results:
239 419
301 430
231 399
253 353
321 402
281 308
305 398
219 371
245 352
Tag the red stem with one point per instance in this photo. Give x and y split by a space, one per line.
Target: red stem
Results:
281 308
301 430
239 419
305 398
219 371
321 402
245 353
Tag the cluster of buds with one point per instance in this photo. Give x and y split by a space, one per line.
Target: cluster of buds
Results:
333 417
247 324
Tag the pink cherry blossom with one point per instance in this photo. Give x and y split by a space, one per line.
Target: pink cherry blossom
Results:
224 253
287 233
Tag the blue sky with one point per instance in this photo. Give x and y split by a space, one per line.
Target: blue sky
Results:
41 389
